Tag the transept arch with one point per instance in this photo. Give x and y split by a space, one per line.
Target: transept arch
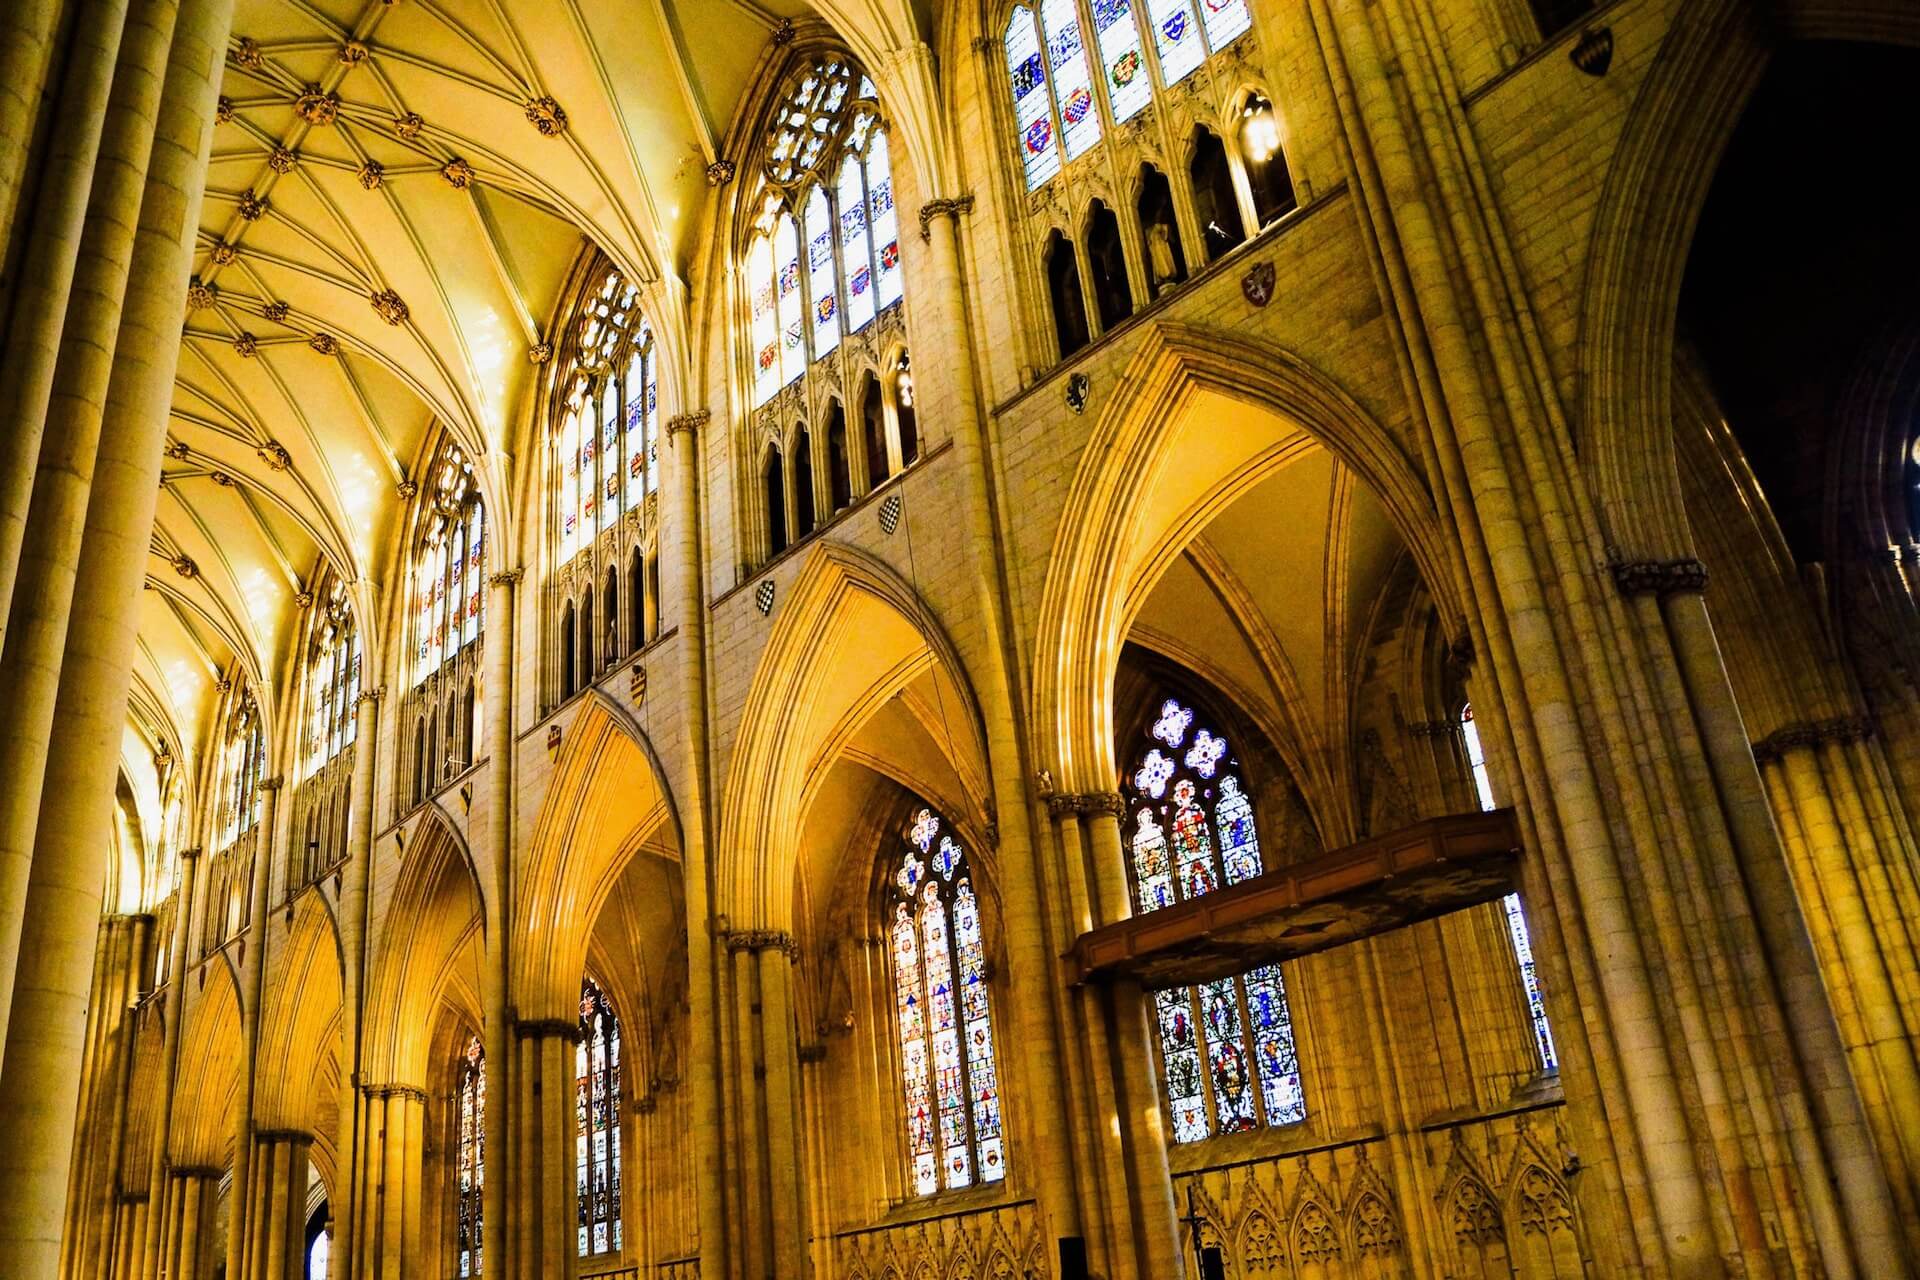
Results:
606 802
850 635
1146 487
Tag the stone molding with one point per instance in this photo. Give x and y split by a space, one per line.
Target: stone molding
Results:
412 1093
762 940
206 1171
1092 804
282 1135
540 1028
191 852
1434 728
1658 577
691 421
1812 733
507 578
274 783
953 207
372 695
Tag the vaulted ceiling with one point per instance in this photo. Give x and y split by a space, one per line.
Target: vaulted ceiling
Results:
397 193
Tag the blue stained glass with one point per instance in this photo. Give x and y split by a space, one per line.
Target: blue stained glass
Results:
1072 85
1032 111
1226 21
1176 39
1129 88
1239 845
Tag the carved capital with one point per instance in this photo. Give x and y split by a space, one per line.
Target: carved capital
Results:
274 783
1091 804
762 940
1810 734
547 1028
720 172
371 695
191 852
1658 577
1433 728
689 422
506 578
943 207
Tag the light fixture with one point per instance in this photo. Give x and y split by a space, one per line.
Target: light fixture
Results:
1259 130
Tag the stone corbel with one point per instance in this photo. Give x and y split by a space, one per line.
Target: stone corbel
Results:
943 207
1658 577
1812 733
690 422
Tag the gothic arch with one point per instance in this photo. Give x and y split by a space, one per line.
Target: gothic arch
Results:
300 1019
431 926
1656 186
808 697
210 1049
1128 513
607 799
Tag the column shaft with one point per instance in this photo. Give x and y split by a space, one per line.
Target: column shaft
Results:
252 977
498 689
352 1180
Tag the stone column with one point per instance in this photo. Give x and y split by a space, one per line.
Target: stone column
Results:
1035 1017
696 863
89 1210
253 963
388 1199
351 1179
98 1258
776 955
543 1135
148 1251
191 1193
54 228
274 1225
47 552
497 685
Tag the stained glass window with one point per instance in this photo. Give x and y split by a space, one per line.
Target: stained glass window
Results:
1128 86
810 283
1226 20
244 762
597 1123
470 1157
1176 38
449 562
1032 110
1516 914
333 671
941 1003
1072 85
1227 1051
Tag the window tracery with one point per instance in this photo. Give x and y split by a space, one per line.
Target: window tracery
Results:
823 280
942 1012
243 764
470 1158
1227 1047
1515 912
448 606
606 475
597 1123
332 689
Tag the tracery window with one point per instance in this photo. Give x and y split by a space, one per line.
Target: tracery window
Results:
243 764
470 1157
941 1003
332 685
229 872
449 560
1048 66
828 185
606 467
597 1119
1516 914
448 596
1227 1047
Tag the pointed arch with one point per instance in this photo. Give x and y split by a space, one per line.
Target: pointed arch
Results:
809 695
608 798
1130 509
210 1052
434 917
300 1020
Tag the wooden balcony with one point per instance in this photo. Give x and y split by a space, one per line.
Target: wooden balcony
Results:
1388 882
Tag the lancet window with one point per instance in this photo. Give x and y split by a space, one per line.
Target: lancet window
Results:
597 1122
606 468
1053 66
1227 1047
243 764
1515 913
332 691
823 282
448 616
942 1011
469 1157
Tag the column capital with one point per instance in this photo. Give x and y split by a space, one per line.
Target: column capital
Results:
196 1171
690 422
1812 733
943 207
410 1092
281 1135
1433 728
274 783
372 695
1658 577
507 577
540 1028
761 940
189 853
1088 805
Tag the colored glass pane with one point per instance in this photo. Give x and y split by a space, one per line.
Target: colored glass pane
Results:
982 1077
1227 1066
913 1051
1129 87
470 1165
786 243
1032 111
1180 1061
1072 85
883 221
856 246
1239 846
766 320
1176 38
1192 841
1153 872
1277 1060
597 1124
448 563
1226 21
821 273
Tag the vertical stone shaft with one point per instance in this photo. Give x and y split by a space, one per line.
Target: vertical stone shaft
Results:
1025 925
149 1248
75 827
252 978
783 1111
27 31
48 553
496 1246
353 1177
703 1066
46 276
